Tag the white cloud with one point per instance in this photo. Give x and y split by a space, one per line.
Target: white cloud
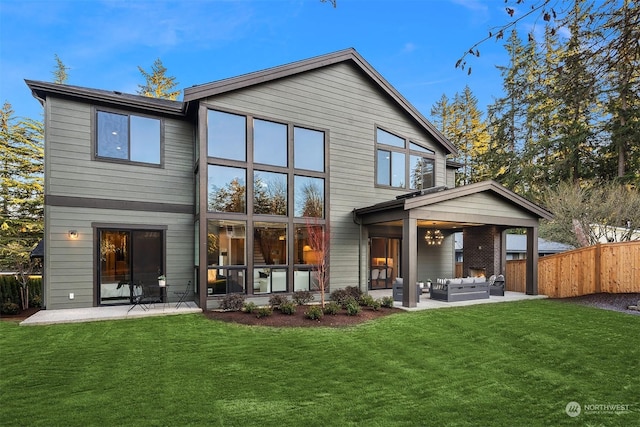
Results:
409 47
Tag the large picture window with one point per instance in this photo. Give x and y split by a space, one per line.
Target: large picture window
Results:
267 176
128 137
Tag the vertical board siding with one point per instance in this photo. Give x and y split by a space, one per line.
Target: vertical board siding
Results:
340 99
609 268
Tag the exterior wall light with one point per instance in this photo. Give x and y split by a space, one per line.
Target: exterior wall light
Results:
73 234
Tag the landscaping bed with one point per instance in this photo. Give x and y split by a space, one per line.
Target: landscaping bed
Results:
298 319
615 302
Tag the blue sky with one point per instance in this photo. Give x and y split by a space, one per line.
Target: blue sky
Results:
414 44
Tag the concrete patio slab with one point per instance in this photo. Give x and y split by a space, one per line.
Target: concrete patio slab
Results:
92 314
427 303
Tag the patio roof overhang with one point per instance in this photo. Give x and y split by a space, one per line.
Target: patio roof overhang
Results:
484 203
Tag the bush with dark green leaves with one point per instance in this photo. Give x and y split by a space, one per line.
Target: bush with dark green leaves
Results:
264 312
353 307
288 307
366 300
232 302
250 307
332 308
387 302
10 308
314 312
302 297
275 301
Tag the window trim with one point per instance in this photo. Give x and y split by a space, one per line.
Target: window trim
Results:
94 137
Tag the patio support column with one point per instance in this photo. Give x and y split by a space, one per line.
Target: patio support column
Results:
532 261
409 262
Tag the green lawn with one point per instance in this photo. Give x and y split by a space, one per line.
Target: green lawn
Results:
512 364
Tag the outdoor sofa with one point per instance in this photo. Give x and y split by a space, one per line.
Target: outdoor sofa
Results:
460 289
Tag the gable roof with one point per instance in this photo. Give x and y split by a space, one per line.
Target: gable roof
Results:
41 90
350 55
442 194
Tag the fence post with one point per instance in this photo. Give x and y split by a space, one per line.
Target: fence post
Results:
597 267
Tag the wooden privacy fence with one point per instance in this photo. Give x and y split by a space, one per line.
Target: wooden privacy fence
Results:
609 267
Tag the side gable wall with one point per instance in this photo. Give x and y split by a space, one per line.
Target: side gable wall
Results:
343 101
70 173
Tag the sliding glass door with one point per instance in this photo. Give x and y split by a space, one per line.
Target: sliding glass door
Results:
127 258
384 262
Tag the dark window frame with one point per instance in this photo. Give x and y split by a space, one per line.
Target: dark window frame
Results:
94 137
407 151
251 167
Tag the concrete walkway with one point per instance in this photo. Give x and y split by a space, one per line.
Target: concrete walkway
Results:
92 314
427 303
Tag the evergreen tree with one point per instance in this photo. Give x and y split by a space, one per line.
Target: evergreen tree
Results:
60 75
508 124
21 187
157 83
576 94
462 123
620 53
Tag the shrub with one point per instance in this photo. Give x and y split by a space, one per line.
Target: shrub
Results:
36 301
376 305
250 307
275 301
339 296
302 297
314 312
366 300
233 302
332 308
387 302
353 291
342 295
264 312
10 308
288 307
353 308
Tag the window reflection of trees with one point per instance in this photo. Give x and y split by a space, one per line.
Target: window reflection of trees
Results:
313 201
230 198
270 195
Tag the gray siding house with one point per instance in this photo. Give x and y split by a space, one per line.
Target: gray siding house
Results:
226 188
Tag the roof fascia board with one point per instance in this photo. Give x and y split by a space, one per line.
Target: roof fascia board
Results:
41 90
240 82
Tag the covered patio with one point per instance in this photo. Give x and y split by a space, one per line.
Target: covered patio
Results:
483 211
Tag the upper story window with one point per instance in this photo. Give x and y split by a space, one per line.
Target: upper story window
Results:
128 137
308 149
283 162
269 143
227 136
402 163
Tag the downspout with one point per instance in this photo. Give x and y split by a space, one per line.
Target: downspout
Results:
359 223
